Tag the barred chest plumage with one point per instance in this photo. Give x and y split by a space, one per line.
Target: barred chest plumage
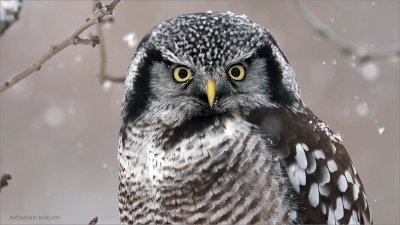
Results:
206 171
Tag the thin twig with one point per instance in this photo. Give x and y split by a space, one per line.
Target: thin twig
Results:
362 55
94 221
103 75
4 180
73 39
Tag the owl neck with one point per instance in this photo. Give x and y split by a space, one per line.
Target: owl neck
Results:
197 151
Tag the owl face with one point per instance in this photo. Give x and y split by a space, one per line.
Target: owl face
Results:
207 63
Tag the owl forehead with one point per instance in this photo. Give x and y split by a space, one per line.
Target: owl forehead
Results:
208 38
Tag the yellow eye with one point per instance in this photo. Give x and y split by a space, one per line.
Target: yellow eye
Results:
236 72
181 74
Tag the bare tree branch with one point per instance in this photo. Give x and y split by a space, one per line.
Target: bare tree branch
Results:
73 39
4 180
362 55
103 75
94 221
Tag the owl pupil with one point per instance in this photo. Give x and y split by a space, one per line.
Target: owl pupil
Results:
235 72
183 73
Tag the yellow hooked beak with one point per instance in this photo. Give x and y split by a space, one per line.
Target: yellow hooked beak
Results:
210 90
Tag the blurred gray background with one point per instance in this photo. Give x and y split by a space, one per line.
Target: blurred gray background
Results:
59 127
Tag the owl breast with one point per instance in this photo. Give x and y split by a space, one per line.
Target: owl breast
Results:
217 171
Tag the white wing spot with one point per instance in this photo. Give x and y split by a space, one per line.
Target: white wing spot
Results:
331 217
356 191
342 183
325 177
339 208
319 154
312 165
332 166
295 183
346 203
301 156
313 195
348 176
323 208
305 147
324 190
301 176
297 176
357 181
354 218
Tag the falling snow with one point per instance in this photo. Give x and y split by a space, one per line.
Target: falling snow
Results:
78 58
381 130
362 109
53 116
79 145
107 85
370 71
130 39
22 91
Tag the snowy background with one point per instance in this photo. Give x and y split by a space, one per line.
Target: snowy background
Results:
59 127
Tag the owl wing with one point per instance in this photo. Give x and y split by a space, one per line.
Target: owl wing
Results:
317 165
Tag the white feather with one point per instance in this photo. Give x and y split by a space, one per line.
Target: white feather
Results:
356 191
342 183
331 217
319 154
313 195
339 208
325 176
332 166
348 176
346 203
301 156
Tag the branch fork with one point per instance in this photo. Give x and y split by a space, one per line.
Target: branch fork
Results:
74 39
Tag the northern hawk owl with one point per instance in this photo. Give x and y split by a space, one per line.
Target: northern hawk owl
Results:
214 131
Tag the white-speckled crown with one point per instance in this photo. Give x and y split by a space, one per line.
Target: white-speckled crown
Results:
209 39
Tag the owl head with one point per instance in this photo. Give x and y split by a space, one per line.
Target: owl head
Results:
203 64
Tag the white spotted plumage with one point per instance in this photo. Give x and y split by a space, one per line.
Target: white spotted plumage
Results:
313 195
256 155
